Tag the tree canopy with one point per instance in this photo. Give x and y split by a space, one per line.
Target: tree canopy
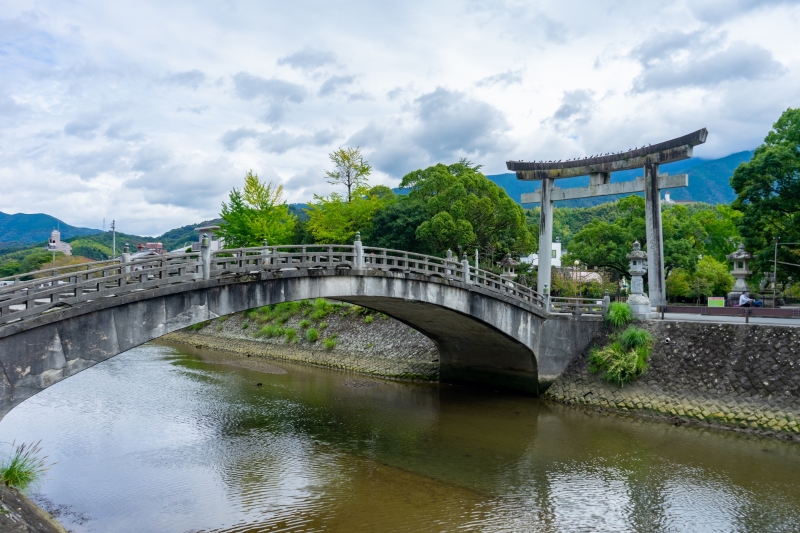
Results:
333 220
464 208
768 196
256 213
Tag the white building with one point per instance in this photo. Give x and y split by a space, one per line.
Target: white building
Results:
555 257
215 243
55 244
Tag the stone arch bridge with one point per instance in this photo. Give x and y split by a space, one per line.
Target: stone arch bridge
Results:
488 329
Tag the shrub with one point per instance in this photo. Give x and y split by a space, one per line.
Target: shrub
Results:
330 342
625 359
323 325
290 334
312 335
619 314
24 468
223 318
322 308
245 325
368 319
305 323
634 337
271 331
197 327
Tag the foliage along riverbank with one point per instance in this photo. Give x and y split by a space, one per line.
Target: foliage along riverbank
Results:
319 332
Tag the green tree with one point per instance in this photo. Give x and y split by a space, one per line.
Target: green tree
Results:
720 281
768 193
395 226
335 221
678 284
465 208
255 213
91 249
350 170
606 244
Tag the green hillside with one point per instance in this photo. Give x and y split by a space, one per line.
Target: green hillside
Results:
22 230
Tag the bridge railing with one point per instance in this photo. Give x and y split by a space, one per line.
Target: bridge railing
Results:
246 260
55 288
36 296
399 260
577 306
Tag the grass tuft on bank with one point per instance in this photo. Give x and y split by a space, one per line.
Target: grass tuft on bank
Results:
625 358
619 314
25 467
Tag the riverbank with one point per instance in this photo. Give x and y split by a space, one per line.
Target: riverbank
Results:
735 376
341 336
18 514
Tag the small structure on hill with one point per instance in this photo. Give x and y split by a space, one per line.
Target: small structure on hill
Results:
56 245
740 259
638 300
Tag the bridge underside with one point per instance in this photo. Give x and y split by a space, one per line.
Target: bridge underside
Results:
481 337
469 350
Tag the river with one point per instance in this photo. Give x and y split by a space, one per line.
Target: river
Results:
168 438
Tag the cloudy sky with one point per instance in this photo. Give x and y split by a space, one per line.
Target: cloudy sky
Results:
148 112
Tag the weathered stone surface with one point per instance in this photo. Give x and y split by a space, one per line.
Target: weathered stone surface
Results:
735 375
482 336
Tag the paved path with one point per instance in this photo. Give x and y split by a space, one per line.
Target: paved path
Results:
767 321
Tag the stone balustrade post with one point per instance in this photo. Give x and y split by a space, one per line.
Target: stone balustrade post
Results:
606 303
359 251
264 253
448 260
205 256
546 296
465 267
126 258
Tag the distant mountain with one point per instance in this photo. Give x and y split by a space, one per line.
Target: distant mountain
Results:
709 181
22 230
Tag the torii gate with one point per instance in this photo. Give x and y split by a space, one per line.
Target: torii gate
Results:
599 169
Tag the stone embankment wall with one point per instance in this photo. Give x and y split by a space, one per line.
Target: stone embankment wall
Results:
733 375
373 344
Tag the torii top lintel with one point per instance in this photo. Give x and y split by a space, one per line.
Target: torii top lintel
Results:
661 153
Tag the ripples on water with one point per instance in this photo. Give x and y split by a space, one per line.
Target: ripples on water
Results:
171 439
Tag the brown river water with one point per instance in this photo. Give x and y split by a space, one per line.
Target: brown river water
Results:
168 438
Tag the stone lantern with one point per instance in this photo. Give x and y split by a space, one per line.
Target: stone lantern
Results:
509 267
638 300
740 258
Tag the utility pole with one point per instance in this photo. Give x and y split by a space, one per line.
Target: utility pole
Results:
114 238
775 273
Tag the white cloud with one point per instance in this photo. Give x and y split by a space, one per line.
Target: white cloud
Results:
151 115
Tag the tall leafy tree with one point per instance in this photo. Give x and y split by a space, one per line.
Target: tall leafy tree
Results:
768 195
350 170
256 213
335 221
467 209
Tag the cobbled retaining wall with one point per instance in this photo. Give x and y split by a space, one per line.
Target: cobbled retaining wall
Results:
734 375
383 347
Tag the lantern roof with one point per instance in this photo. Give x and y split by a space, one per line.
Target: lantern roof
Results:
637 252
739 254
508 261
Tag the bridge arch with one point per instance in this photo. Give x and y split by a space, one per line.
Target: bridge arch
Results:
482 337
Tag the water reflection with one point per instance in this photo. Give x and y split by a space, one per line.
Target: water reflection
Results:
167 438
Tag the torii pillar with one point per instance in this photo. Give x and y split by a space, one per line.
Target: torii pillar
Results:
655 236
